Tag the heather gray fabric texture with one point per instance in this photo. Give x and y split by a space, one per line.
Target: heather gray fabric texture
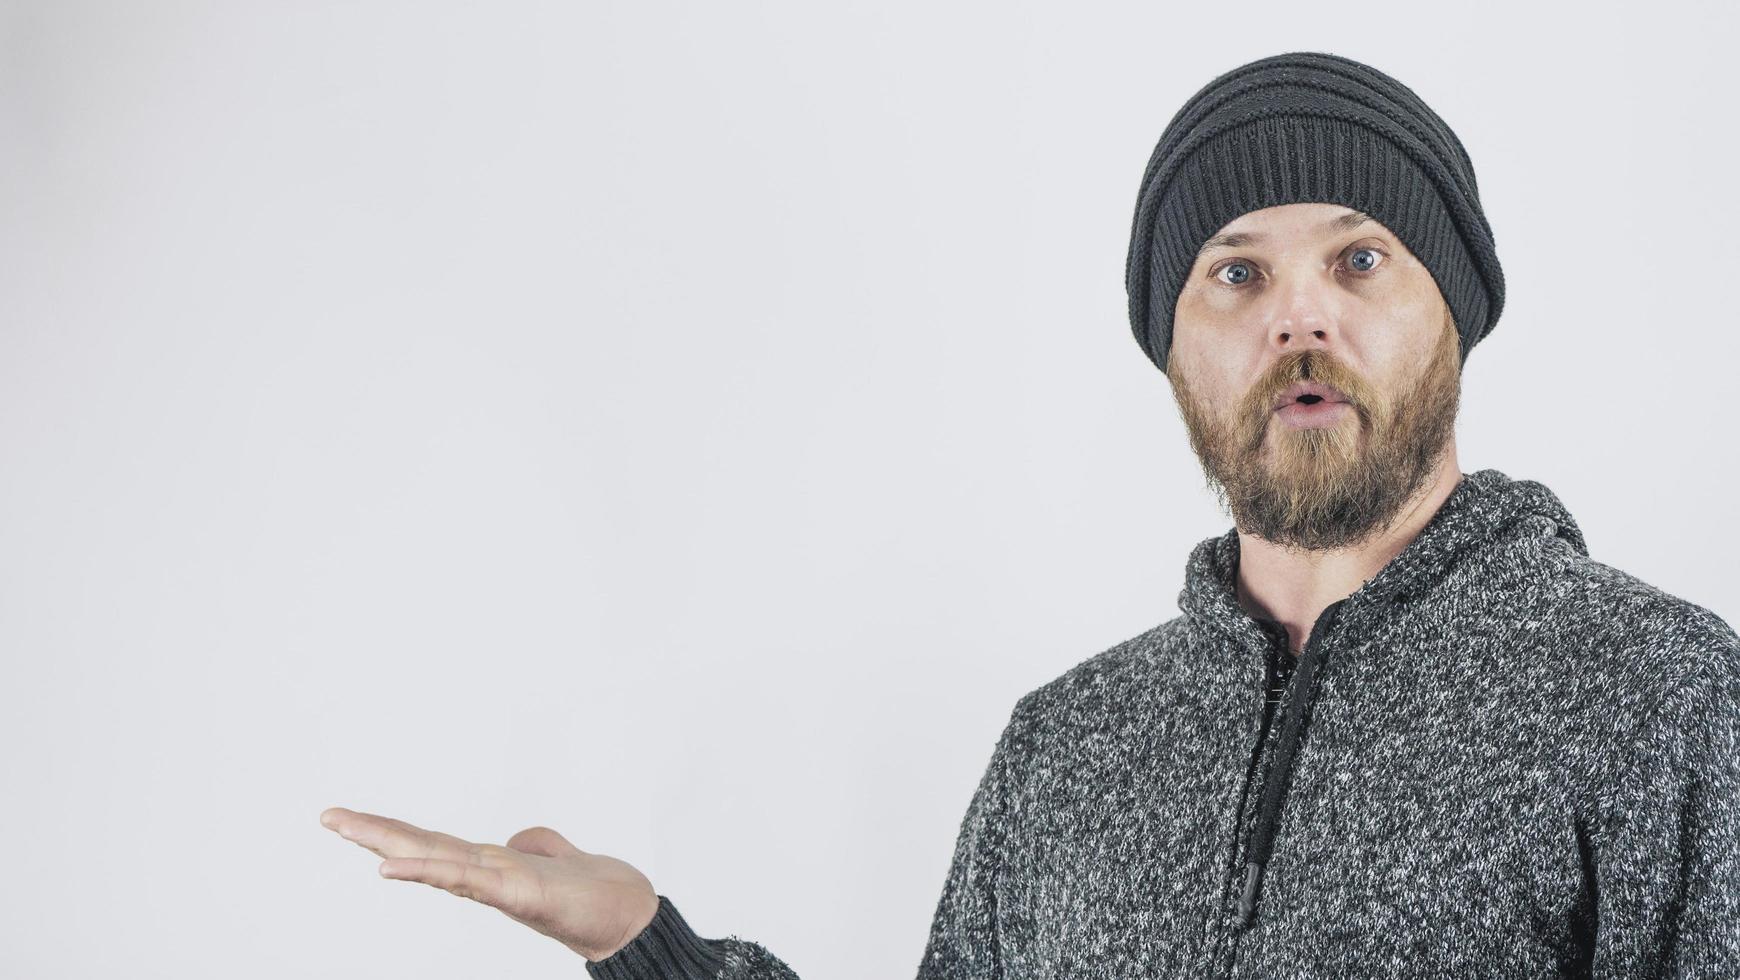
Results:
1516 761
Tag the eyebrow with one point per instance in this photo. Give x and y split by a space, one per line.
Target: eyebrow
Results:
1238 239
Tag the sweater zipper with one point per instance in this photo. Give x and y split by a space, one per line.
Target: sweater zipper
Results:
1273 706
1273 697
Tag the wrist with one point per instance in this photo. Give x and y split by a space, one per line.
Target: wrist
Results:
666 941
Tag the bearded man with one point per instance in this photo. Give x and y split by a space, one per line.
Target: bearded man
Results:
1404 725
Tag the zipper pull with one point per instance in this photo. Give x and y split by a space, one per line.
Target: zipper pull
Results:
1248 901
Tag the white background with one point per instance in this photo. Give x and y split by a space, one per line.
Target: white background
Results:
691 427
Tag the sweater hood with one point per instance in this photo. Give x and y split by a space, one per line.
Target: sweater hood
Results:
1488 510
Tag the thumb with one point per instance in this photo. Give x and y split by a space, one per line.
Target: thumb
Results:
544 841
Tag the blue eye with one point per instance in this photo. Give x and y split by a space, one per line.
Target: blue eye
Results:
1238 279
1367 264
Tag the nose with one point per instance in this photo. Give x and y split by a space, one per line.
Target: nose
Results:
1303 319
1289 339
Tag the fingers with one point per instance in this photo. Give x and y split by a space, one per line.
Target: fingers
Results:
478 883
391 839
487 873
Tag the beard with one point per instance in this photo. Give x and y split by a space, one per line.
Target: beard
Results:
1336 486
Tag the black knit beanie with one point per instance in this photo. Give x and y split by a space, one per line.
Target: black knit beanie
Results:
1301 127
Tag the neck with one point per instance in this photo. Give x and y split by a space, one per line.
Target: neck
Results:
1294 587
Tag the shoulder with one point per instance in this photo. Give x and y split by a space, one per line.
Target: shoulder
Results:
1660 674
1632 626
1629 647
1675 741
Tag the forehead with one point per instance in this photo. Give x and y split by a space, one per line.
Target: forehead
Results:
1306 216
1298 220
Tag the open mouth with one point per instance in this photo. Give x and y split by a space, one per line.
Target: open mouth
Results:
1311 405
1309 393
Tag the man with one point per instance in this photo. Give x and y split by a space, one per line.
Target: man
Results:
1404 725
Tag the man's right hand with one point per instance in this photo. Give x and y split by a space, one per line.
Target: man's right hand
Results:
590 903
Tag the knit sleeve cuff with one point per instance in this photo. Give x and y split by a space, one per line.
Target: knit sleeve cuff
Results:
667 949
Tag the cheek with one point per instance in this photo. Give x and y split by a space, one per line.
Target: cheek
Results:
1201 377
1204 319
1205 300
1406 338
1411 306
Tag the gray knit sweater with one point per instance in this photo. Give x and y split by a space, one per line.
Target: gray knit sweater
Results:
1497 758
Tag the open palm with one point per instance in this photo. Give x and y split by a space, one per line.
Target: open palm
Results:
591 903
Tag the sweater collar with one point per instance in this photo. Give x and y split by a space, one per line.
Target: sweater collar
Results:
1487 510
